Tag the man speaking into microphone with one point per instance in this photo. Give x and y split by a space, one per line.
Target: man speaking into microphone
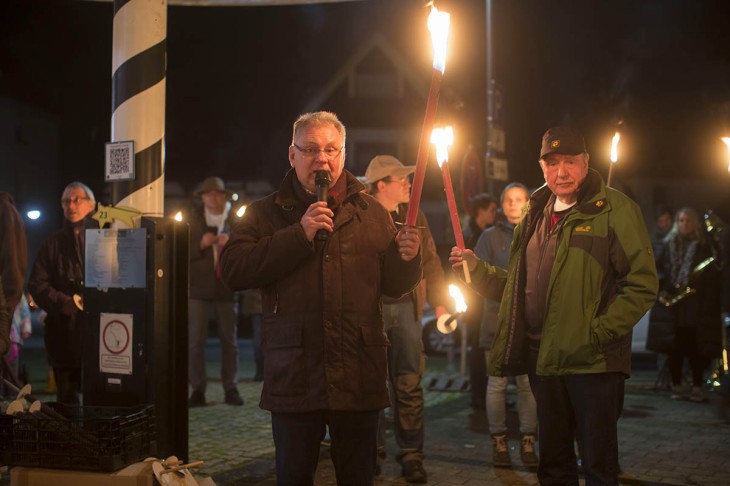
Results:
324 338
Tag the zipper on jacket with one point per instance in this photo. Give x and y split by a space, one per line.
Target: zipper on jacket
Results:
276 299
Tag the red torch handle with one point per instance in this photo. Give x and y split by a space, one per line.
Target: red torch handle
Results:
451 201
423 148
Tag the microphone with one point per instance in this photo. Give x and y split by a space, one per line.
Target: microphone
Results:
322 183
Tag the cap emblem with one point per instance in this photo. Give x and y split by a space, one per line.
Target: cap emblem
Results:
555 144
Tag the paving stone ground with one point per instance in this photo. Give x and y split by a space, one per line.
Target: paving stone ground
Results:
662 441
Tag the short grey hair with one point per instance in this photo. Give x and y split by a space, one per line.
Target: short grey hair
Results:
80 185
318 118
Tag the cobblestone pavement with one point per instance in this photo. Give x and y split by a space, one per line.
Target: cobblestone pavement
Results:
662 441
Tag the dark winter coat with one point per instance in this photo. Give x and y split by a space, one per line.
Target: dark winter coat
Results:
13 256
4 322
204 285
58 274
433 287
700 310
324 337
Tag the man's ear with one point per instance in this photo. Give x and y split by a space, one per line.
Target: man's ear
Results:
291 155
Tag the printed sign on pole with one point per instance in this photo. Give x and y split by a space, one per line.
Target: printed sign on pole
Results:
115 343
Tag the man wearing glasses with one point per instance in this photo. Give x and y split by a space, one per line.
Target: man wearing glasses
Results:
56 283
387 180
324 338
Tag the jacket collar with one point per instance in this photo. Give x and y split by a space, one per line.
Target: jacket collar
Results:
288 198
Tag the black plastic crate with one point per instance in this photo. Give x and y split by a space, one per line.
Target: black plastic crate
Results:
91 438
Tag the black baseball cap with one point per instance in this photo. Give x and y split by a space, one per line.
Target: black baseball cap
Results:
562 140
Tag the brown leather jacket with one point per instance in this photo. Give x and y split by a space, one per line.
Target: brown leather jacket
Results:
324 338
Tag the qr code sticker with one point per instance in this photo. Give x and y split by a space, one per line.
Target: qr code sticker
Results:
119 161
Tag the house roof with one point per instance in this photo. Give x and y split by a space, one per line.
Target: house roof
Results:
347 71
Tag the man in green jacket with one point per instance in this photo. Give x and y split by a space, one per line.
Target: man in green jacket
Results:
581 274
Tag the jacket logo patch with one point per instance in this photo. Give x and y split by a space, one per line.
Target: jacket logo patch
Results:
599 204
583 229
555 144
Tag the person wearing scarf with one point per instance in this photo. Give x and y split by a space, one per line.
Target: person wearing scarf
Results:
696 318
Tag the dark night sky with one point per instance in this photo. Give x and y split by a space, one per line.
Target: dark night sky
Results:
663 66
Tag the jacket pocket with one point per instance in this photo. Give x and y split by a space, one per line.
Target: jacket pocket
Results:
285 373
373 360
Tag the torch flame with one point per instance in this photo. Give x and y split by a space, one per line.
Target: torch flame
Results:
241 211
458 298
178 216
443 138
727 142
438 24
614 148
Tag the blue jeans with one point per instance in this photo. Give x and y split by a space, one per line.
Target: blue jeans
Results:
497 407
297 438
406 362
585 407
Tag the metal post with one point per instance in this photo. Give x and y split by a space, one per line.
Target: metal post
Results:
490 93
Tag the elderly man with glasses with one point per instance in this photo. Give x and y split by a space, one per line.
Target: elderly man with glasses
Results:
324 339
56 283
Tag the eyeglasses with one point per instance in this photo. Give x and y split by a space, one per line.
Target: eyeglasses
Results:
329 152
66 202
400 180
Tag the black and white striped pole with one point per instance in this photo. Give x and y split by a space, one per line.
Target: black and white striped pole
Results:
138 101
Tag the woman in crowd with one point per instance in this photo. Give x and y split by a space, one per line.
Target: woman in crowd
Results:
696 316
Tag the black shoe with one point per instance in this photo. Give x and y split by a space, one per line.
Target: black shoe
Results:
413 472
197 399
233 398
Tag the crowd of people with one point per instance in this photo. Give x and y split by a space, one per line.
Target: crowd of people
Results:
335 283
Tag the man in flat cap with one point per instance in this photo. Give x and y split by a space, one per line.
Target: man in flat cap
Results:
387 180
581 275
210 224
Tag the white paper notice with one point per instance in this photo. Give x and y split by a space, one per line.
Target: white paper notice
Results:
116 258
115 343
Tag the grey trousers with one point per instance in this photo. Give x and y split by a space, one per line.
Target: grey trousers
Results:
198 314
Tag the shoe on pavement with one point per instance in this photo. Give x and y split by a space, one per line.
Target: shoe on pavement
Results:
233 397
500 452
413 472
197 399
527 451
696 395
677 392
